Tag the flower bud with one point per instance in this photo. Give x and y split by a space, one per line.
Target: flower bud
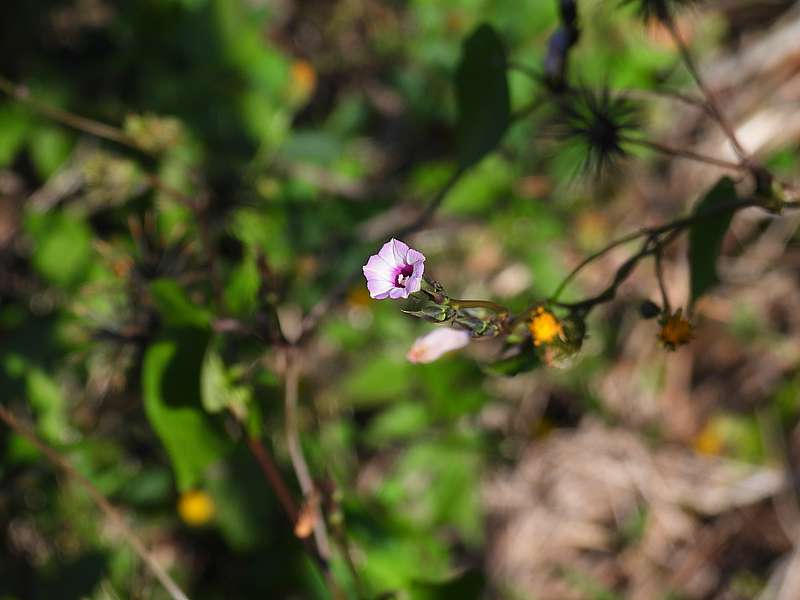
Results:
436 343
649 309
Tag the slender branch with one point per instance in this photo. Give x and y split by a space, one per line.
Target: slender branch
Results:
669 94
274 478
432 206
716 110
281 490
90 126
296 453
661 285
591 258
493 306
100 500
610 292
687 154
652 233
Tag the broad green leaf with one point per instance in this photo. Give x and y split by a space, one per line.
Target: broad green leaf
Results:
175 307
482 96
62 247
706 235
170 383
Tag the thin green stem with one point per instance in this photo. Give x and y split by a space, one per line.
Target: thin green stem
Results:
493 306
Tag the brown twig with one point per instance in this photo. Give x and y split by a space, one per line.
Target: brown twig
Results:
659 268
95 128
687 154
299 464
653 234
100 500
713 105
274 478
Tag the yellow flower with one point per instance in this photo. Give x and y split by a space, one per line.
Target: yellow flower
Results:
675 330
303 80
545 327
196 508
709 440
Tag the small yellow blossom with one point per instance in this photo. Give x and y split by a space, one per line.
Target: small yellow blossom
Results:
303 79
675 330
545 327
709 440
196 508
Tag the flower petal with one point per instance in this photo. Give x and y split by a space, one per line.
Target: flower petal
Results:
414 256
379 288
414 281
378 267
398 292
431 346
394 252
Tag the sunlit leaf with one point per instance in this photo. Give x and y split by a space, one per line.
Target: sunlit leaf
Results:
217 390
175 307
62 247
170 384
241 289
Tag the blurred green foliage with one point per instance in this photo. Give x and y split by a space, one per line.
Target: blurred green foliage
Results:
281 138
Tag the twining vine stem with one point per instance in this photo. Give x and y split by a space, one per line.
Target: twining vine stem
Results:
652 234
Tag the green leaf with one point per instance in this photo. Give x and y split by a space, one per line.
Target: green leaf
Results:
49 403
398 422
381 379
175 307
15 125
217 390
49 147
706 235
482 96
241 289
63 248
172 402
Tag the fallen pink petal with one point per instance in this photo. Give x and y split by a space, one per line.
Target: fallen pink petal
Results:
430 347
395 271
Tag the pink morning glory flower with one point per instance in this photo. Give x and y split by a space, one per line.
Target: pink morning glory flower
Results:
439 341
395 271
